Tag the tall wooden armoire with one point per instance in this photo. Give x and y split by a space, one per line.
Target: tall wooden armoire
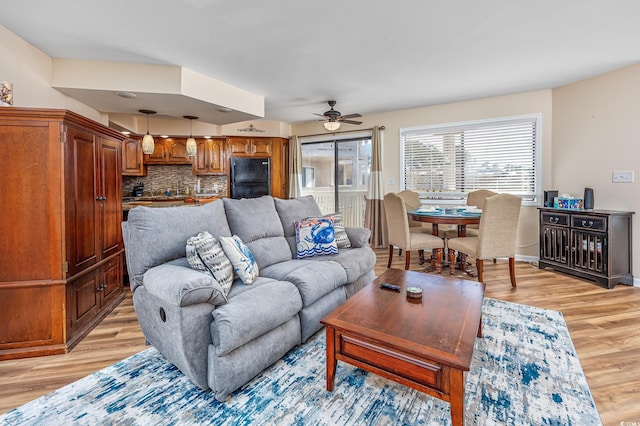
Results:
60 241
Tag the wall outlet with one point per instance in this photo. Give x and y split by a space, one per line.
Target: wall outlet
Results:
390 181
623 176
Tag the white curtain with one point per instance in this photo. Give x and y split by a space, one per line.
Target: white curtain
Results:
374 209
295 167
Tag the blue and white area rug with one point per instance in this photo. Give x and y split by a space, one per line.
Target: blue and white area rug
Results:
524 372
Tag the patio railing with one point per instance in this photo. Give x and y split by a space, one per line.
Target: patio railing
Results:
351 203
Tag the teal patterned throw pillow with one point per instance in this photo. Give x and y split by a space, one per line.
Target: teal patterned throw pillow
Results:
205 254
315 237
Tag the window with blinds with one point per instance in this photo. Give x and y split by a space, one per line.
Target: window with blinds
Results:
446 162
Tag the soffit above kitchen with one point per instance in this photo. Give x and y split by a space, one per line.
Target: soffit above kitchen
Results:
172 91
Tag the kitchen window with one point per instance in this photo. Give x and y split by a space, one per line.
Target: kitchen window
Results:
445 162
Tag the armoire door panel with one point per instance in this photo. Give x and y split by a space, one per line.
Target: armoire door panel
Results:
81 200
110 194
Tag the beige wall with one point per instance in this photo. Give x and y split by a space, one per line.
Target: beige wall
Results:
526 103
596 130
29 69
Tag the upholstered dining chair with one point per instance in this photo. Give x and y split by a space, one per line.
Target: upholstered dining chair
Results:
496 234
475 199
401 237
412 202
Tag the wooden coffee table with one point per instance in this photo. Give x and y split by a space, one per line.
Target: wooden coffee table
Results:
426 345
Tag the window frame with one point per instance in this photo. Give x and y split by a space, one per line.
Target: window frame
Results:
434 128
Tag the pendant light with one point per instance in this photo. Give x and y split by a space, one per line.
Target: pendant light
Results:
331 125
191 142
148 145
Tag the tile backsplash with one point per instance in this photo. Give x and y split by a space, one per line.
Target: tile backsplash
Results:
160 178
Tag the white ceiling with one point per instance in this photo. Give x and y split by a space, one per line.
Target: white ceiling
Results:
370 56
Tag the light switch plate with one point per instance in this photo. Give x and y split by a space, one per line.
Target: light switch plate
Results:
390 181
623 176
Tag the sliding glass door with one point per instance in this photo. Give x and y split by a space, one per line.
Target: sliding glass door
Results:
336 173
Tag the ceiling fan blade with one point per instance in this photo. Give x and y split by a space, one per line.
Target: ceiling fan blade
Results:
351 122
319 115
351 116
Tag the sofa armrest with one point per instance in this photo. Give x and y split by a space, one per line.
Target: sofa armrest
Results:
358 236
183 286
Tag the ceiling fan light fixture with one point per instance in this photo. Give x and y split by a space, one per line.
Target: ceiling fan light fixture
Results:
148 144
331 125
192 147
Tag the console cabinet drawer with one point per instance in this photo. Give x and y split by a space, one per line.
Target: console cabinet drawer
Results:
555 219
593 223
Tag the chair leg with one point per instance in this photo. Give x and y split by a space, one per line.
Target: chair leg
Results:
390 256
407 259
452 261
479 265
421 257
512 271
399 252
439 260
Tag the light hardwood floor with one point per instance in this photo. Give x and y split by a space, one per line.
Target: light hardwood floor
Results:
604 326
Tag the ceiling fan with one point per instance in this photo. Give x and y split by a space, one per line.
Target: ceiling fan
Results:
332 118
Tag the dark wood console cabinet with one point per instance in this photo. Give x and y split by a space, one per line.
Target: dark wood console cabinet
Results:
61 245
590 244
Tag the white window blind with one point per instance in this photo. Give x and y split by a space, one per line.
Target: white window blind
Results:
446 162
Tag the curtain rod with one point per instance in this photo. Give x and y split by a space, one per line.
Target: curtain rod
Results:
339 133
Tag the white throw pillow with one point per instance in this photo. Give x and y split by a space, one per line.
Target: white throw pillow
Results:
205 254
244 264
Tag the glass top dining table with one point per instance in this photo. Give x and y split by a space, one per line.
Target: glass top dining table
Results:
460 216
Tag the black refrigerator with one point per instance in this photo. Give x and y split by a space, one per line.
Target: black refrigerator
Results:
250 177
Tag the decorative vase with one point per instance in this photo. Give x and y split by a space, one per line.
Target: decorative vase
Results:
6 93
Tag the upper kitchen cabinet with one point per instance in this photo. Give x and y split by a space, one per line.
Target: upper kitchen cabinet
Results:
168 151
249 147
210 157
61 245
132 164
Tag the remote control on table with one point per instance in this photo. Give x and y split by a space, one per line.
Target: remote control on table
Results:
390 287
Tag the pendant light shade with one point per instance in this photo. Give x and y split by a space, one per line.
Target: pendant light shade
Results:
331 125
191 142
148 145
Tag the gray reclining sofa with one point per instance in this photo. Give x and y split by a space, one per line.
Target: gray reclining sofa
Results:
223 342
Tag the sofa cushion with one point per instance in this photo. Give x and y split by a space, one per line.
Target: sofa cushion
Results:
252 313
359 237
241 258
183 286
315 237
313 278
256 222
205 254
356 261
156 235
295 209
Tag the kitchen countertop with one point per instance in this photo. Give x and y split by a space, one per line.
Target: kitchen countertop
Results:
164 201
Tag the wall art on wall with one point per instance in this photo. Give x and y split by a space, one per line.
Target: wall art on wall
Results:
6 93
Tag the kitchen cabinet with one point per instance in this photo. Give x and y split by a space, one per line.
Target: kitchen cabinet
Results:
249 147
132 164
590 244
168 151
61 245
210 157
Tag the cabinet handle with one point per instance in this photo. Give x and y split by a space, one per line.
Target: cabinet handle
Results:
587 224
554 219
